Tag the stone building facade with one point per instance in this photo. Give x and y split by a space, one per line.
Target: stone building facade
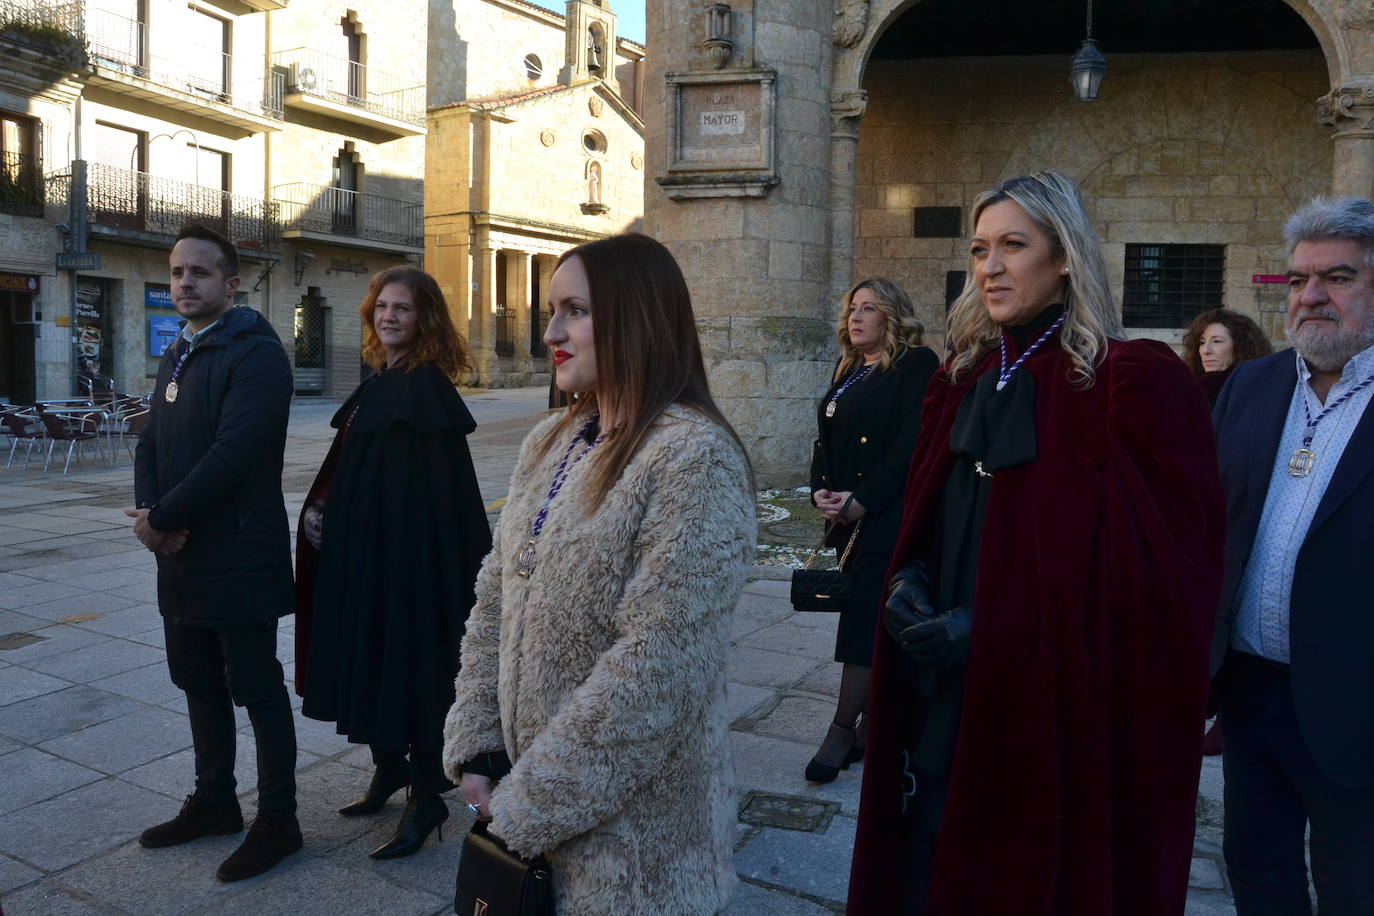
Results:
872 125
535 145
296 132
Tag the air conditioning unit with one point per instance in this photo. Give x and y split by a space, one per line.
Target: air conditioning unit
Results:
303 79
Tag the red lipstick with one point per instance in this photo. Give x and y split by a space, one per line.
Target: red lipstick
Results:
560 357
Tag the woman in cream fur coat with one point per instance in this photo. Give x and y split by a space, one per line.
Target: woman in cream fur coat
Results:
590 720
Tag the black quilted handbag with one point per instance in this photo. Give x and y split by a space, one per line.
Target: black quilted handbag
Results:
493 881
824 589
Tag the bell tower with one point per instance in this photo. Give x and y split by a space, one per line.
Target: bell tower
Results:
590 48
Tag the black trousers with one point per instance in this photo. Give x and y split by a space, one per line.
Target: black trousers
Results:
1274 790
223 667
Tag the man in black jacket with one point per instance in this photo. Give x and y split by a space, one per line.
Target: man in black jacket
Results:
208 487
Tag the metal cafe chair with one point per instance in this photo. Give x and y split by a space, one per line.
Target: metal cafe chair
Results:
23 426
72 428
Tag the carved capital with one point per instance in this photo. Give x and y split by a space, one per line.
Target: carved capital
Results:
1348 110
846 111
1359 14
851 21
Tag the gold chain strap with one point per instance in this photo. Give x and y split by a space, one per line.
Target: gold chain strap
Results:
830 530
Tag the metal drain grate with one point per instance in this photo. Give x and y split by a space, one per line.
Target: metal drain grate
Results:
788 812
19 640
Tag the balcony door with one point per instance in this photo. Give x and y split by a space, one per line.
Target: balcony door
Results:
208 38
117 186
21 178
343 196
118 35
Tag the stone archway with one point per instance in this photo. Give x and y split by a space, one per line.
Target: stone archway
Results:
1344 32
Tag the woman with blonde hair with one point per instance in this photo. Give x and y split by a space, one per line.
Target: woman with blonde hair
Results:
1033 745
590 721
387 550
867 423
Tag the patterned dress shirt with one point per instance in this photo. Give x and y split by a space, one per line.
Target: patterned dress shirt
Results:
1261 626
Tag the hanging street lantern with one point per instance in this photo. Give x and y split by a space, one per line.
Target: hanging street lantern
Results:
1089 66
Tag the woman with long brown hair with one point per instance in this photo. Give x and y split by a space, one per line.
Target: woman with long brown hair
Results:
590 721
387 550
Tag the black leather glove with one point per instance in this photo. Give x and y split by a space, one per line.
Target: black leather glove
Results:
908 599
942 640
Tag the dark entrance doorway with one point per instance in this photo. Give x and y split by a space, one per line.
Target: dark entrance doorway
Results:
311 315
18 367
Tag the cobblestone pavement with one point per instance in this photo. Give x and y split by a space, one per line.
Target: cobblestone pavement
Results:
95 746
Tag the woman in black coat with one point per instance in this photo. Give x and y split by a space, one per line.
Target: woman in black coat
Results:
868 422
389 543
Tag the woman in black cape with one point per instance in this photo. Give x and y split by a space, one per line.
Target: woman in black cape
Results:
388 547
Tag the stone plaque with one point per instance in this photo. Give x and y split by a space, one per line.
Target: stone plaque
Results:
720 134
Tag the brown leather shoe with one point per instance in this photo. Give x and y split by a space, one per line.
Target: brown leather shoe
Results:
198 817
268 842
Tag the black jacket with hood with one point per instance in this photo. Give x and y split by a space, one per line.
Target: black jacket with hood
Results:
211 463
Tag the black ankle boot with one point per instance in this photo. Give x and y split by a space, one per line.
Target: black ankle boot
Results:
385 781
824 772
269 841
423 813
198 817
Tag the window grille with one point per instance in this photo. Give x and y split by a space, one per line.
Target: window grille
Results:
1166 285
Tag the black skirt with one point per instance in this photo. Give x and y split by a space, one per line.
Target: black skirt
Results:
859 621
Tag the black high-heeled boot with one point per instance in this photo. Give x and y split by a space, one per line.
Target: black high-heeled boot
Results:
824 772
386 780
423 813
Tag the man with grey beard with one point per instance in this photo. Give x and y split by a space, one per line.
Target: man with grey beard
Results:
1293 660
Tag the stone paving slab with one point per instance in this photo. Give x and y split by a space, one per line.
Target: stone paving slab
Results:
32 775
16 874
126 742
77 825
804 863
53 714
178 879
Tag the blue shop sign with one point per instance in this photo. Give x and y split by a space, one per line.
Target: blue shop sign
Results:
163 330
155 298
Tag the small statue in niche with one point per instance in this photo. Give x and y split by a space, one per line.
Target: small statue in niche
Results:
594 183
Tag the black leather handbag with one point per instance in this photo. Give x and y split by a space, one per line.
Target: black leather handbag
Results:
493 881
824 589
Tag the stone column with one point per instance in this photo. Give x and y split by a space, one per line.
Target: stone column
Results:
484 346
518 299
846 112
756 258
1350 113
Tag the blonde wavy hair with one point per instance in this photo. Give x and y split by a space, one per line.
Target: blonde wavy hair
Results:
1055 205
901 331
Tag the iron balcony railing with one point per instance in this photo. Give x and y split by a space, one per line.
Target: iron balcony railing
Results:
121 44
21 185
337 211
54 27
346 82
121 199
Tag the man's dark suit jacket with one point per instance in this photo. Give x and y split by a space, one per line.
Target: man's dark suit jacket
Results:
1331 625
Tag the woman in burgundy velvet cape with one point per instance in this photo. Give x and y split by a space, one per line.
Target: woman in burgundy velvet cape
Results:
1073 781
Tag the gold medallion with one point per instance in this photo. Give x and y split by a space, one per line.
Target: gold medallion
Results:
1300 465
170 395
